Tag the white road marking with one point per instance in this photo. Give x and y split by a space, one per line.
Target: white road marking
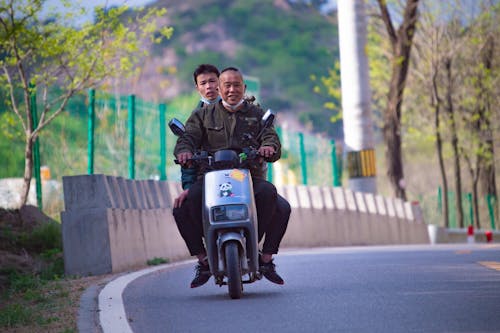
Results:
112 316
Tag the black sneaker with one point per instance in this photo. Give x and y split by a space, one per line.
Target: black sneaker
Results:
269 271
202 275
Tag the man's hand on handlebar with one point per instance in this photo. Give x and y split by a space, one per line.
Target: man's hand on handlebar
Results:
184 157
266 151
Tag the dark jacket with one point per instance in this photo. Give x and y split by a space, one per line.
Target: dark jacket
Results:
211 128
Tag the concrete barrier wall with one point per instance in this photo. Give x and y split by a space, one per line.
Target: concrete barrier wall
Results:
113 224
326 216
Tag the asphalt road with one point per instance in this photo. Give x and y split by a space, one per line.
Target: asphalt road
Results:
445 288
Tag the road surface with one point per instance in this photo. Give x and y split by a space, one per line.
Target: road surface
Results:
442 288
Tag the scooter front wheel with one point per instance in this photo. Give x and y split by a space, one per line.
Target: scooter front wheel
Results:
233 269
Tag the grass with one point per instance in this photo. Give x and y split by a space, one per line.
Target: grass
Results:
157 261
37 298
33 304
15 314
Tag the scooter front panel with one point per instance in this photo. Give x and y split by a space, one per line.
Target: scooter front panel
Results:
228 186
228 207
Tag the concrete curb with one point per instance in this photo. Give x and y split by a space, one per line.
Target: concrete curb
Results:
88 319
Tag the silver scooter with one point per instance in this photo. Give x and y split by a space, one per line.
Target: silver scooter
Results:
229 213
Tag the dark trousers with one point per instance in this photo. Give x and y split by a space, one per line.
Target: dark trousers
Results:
273 213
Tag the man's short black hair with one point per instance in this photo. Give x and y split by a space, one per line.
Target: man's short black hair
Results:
205 69
230 69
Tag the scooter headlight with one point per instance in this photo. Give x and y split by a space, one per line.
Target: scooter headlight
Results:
229 213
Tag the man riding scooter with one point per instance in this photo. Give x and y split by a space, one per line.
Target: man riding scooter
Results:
273 211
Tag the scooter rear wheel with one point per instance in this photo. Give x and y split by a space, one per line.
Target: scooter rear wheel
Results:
233 268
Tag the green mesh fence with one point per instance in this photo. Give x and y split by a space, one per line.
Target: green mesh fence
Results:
112 148
110 136
306 159
432 206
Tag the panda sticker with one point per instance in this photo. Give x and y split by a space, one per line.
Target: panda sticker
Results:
226 190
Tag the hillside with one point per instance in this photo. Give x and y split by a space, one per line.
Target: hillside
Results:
282 43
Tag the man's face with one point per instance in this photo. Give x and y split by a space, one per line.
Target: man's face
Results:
207 85
231 87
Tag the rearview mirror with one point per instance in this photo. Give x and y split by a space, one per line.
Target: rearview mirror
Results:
268 118
177 127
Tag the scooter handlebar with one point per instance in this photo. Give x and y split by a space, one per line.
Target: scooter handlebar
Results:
204 159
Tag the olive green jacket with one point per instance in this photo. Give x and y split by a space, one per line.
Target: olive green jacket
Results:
211 128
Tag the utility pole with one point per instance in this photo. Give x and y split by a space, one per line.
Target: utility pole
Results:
356 96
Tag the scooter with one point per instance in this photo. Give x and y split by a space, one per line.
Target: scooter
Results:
229 213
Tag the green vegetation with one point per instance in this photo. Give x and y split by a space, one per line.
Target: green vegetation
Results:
157 261
281 45
11 147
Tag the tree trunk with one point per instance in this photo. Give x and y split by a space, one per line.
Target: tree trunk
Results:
28 171
475 172
475 196
401 45
454 143
436 103
28 149
458 177
442 169
393 155
488 187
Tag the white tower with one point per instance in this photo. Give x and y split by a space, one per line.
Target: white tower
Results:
358 126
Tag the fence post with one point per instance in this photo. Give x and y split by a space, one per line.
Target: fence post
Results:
90 132
131 137
471 209
163 143
303 162
491 201
335 167
440 201
452 209
36 146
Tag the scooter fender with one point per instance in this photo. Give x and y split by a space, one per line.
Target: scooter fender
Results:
231 236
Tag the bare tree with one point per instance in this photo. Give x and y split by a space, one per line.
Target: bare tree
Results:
455 61
61 60
401 43
430 47
450 82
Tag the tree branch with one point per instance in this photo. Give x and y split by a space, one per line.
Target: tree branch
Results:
12 99
386 17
